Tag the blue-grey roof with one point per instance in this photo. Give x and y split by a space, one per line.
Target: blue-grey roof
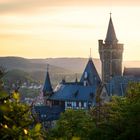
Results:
46 113
118 84
74 92
92 74
111 35
47 85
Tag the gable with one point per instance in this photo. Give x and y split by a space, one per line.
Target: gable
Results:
90 74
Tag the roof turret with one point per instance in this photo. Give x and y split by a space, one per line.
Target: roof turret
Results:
47 85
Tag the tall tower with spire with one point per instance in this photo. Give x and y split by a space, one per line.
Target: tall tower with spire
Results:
110 54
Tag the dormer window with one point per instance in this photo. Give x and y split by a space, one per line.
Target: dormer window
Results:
85 75
85 83
76 93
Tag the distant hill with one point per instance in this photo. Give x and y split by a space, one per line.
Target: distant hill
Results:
29 65
75 65
31 70
18 75
56 64
35 69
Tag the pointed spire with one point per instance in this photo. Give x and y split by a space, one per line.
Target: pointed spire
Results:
47 86
111 35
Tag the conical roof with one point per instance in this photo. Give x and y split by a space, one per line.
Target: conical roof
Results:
90 74
47 85
111 35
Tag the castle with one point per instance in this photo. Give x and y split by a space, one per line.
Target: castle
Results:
82 94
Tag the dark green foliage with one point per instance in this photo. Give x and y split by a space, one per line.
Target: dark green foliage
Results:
73 123
16 119
121 117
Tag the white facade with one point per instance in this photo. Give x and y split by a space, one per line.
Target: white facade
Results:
76 105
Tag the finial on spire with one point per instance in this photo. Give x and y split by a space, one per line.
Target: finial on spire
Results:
110 14
47 67
90 54
63 80
76 80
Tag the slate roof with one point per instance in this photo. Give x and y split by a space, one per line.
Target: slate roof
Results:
47 85
92 74
77 91
74 92
111 35
46 113
118 84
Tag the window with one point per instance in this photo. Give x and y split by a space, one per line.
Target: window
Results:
69 104
77 104
85 75
74 104
85 104
82 104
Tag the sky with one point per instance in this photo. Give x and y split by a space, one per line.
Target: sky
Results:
67 28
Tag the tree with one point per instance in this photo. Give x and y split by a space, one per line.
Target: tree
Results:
122 117
132 116
16 120
73 123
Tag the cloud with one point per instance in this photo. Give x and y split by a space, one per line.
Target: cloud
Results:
31 6
14 37
16 6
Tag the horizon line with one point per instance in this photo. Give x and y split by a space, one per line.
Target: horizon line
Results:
59 57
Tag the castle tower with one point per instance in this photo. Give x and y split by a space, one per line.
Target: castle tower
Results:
110 54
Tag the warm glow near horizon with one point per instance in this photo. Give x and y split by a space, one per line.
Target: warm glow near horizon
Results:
65 30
